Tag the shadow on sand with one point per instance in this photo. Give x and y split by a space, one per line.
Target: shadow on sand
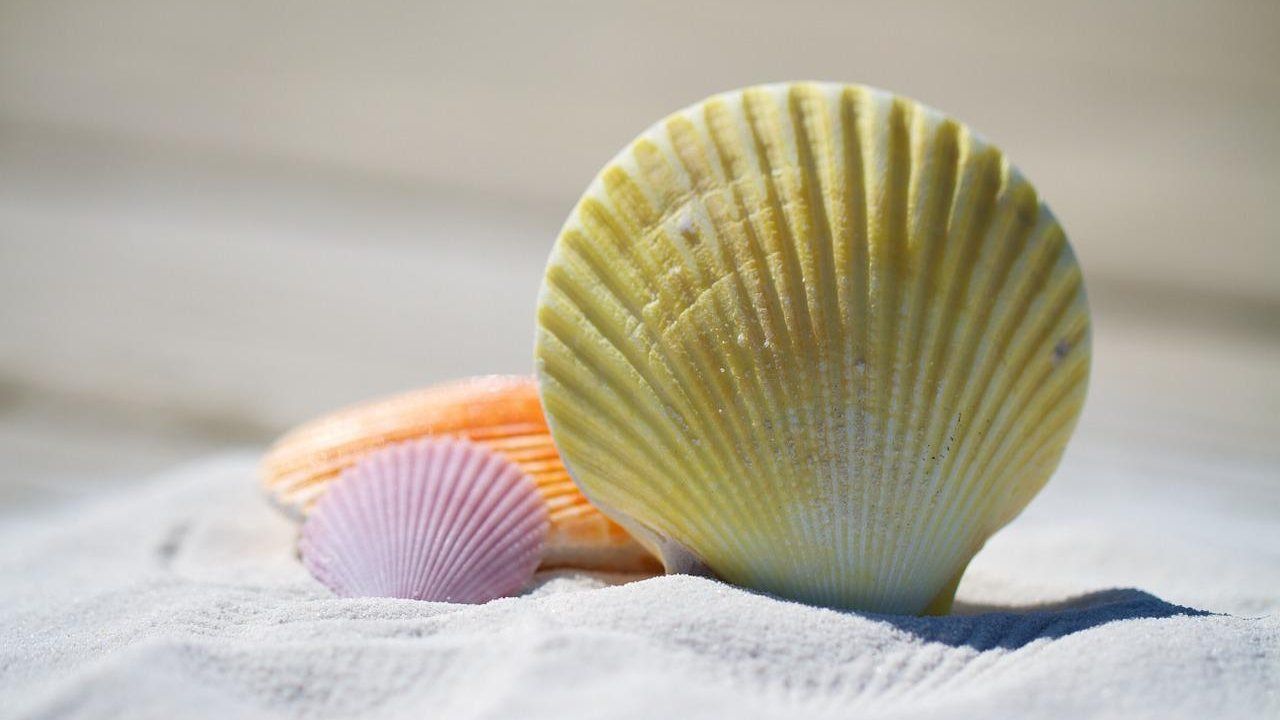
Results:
984 627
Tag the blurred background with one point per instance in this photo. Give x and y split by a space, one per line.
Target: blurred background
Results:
220 219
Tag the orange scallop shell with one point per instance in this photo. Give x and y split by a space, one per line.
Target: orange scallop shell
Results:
500 412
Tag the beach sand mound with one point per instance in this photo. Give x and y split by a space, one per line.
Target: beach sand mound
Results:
183 598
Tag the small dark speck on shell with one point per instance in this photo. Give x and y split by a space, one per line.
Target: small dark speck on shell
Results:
1060 350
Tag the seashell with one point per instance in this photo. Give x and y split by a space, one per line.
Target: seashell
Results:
437 519
814 339
502 413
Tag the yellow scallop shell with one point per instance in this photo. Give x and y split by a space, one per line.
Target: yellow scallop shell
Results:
815 339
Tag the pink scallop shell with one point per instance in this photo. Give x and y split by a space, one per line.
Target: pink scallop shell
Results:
437 519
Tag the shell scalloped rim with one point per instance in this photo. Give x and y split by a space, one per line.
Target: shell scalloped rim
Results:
815 339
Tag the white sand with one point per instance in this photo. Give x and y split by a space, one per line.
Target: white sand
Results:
182 599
